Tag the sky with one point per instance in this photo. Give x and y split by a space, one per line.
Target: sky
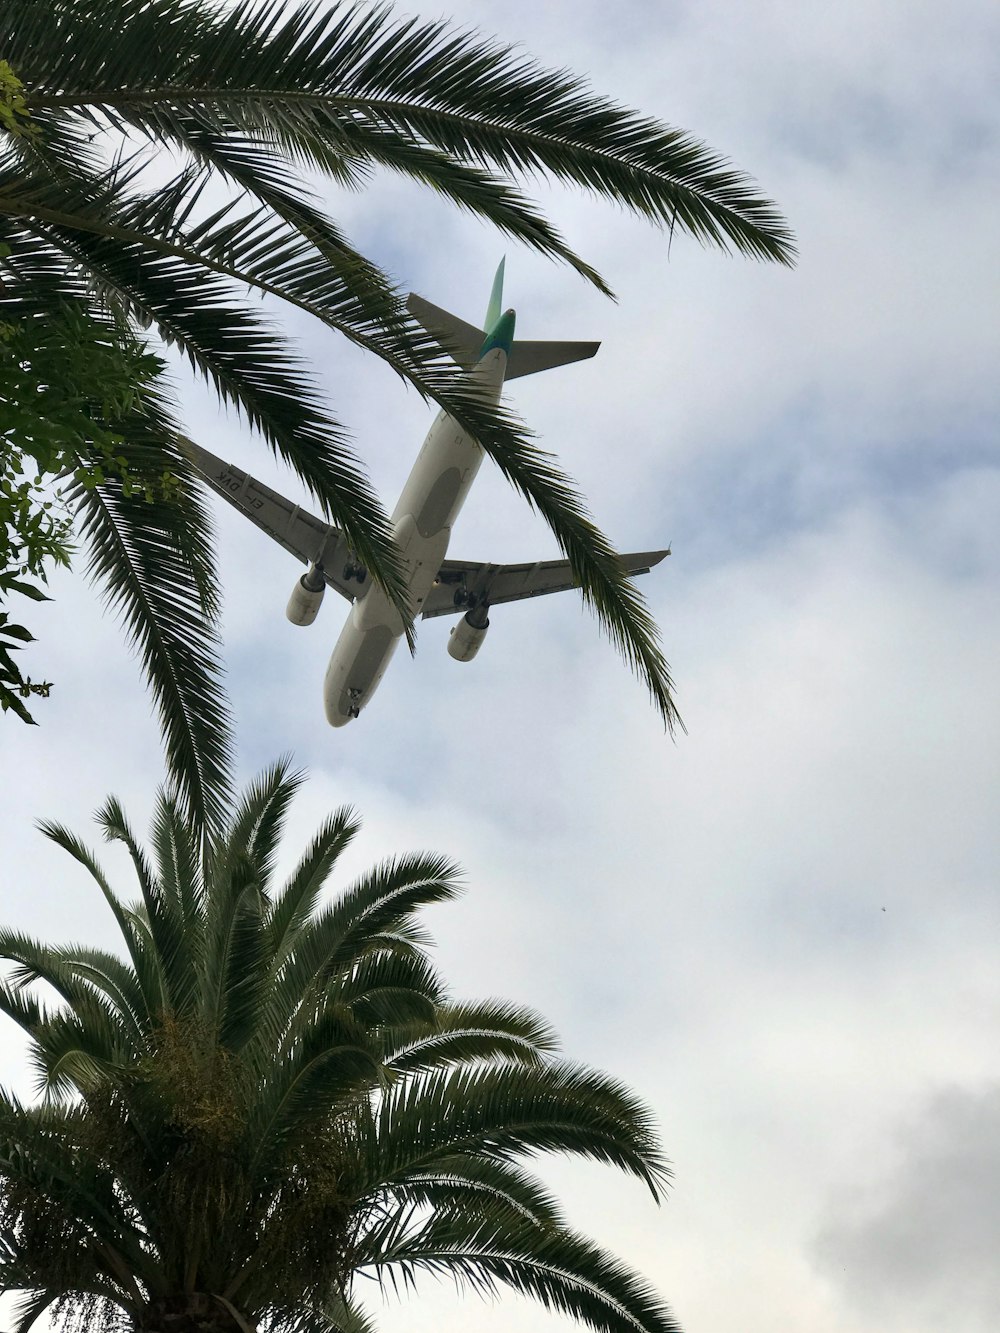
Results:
781 927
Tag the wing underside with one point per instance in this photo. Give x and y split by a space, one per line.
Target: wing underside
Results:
460 584
302 534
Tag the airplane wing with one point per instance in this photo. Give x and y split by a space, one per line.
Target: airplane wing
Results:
306 537
461 584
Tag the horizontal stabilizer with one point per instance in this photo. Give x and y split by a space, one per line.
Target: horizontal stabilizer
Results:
528 358
464 342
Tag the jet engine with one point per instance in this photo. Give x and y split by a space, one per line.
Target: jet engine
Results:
307 596
467 636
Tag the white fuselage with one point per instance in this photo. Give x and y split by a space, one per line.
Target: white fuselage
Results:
421 522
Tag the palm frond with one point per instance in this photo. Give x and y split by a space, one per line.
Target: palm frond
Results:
106 974
177 847
61 43
338 1315
147 576
75 1050
256 825
81 977
330 1065
474 1188
24 1009
504 1112
563 1272
489 1031
236 954
30 1307
131 928
476 100
170 955
293 905
334 940
386 991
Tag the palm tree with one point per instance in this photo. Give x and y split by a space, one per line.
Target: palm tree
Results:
269 1095
232 102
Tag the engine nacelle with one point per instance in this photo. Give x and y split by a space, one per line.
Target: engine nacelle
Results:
307 597
466 637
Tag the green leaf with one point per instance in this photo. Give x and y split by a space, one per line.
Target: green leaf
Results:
26 590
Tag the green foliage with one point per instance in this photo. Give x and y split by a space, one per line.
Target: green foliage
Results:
70 382
14 117
271 1095
15 687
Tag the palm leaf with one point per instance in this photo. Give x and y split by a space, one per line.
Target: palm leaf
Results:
108 975
256 825
148 578
293 905
133 931
563 1272
471 1033
559 1108
328 1067
469 1187
176 845
235 953
31 1306
386 991
80 977
362 920
164 922
477 100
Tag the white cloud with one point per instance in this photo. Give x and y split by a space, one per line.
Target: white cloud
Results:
916 1246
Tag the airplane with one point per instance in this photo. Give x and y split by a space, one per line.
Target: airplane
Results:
421 523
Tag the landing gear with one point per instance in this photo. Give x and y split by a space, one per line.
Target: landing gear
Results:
354 710
354 573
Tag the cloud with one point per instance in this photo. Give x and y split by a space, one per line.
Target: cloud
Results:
917 1246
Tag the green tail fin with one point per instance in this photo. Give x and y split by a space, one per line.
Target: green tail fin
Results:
493 310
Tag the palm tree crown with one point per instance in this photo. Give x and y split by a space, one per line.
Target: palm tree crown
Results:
271 1093
234 102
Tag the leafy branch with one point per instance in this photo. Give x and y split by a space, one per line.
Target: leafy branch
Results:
68 383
